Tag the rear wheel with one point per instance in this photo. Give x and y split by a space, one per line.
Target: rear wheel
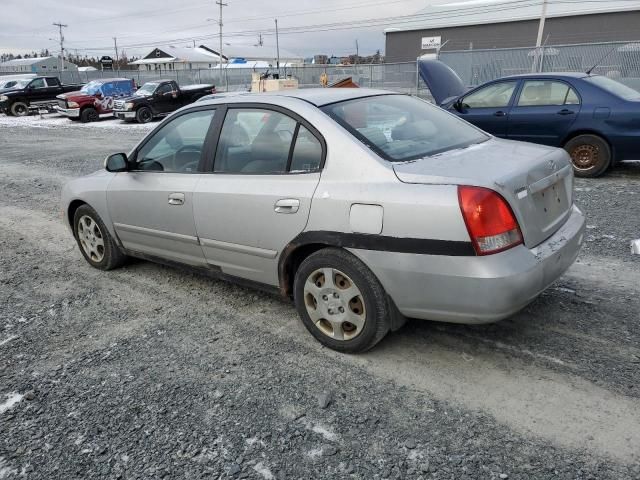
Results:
144 115
89 115
96 243
590 155
340 301
19 109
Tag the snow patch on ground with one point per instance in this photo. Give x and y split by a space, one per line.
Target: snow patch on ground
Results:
5 471
263 471
55 121
314 453
326 433
12 399
7 340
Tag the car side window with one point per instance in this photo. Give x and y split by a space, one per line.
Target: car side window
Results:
162 89
307 152
547 92
37 83
495 95
177 146
254 141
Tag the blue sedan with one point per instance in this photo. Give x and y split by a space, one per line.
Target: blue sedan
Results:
595 118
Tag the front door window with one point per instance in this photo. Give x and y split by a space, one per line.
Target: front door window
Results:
177 146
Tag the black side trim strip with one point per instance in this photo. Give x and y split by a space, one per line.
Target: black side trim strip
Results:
388 244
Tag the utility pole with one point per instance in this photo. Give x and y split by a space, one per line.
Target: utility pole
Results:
60 27
357 52
115 45
219 2
543 19
277 48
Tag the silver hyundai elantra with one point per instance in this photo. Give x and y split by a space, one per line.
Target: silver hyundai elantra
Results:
364 206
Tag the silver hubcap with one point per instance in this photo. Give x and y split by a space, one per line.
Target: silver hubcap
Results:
334 304
90 238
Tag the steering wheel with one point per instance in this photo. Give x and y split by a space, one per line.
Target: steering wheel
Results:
180 165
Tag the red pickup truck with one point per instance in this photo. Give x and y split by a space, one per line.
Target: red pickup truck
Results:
95 99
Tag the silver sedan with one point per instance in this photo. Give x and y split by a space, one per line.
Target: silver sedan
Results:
366 207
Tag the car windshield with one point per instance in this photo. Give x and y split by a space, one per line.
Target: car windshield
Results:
91 88
617 88
400 128
147 89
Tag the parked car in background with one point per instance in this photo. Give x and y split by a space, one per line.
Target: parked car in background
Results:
96 99
39 92
11 82
158 99
365 206
593 117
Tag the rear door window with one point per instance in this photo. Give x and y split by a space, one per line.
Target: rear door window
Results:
547 92
261 141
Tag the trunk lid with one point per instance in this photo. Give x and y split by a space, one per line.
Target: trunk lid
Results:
442 81
535 180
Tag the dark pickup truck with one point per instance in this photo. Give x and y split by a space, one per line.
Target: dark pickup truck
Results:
158 99
40 92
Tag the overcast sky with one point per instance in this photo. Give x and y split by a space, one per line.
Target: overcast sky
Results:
26 25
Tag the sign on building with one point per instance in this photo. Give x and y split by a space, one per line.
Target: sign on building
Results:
431 43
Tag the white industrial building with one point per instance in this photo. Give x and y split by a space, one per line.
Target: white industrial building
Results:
202 57
40 65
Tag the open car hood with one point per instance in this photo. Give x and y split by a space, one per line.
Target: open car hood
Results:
442 81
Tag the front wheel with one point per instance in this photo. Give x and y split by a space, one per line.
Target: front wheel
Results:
590 155
19 109
144 115
340 301
96 243
89 115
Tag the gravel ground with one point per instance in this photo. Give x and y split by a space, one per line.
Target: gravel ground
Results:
152 372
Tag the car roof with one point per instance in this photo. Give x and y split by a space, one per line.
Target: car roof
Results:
107 80
549 75
316 96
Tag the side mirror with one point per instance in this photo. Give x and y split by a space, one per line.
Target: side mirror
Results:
458 105
116 163
99 95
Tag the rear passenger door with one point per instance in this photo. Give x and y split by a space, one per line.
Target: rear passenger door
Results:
544 112
257 196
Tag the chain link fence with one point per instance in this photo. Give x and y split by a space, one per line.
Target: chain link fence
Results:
620 61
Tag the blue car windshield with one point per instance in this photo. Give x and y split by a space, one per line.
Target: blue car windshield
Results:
401 128
617 88
91 88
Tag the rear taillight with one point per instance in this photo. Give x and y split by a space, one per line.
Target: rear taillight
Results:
490 221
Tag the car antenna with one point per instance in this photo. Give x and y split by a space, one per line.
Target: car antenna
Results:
588 72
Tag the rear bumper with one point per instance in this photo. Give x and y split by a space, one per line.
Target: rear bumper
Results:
475 289
68 112
124 114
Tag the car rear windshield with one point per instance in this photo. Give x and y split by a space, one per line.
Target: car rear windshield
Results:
400 128
617 88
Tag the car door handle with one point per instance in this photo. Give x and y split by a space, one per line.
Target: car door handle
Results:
176 199
287 205
566 111
500 113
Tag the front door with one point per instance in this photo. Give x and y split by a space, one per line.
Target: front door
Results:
258 196
151 205
544 112
165 98
488 107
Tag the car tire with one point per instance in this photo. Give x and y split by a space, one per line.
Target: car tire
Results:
144 115
590 155
94 240
19 109
89 115
353 299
